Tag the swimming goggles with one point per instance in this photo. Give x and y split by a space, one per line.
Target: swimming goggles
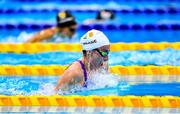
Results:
72 29
102 53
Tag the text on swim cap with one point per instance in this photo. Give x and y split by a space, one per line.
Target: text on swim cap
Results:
91 42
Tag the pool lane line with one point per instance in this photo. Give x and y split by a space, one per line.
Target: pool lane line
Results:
92 101
76 47
144 11
123 110
56 70
131 27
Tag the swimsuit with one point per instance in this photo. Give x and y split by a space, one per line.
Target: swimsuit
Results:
84 72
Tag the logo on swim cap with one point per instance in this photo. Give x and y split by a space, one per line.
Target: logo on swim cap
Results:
62 15
90 34
93 39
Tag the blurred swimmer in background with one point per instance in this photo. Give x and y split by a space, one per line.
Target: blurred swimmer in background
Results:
64 30
102 16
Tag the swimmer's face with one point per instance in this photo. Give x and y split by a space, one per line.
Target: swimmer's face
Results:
70 30
100 55
103 52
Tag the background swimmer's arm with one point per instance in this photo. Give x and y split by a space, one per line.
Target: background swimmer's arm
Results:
43 35
89 21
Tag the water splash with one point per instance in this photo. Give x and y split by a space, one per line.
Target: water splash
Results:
100 84
45 85
99 80
164 57
27 85
22 37
125 58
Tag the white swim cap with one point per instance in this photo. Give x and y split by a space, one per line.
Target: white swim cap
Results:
94 39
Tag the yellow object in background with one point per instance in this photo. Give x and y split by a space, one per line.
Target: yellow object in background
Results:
76 47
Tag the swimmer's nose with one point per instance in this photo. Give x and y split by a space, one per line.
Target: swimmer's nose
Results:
105 58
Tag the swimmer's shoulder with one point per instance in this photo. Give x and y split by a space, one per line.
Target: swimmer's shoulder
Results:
75 69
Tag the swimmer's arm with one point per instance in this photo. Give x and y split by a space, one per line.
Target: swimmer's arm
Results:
65 79
89 21
43 35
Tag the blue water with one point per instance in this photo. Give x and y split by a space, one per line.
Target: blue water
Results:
125 58
50 17
107 3
113 35
46 14
45 86
157 89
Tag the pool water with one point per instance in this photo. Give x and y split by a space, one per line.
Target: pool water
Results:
81 16
124 58
19 36
23 18
136 21
16 85
28 4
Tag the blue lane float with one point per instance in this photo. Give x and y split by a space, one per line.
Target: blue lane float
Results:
147 27
133 11
92 1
